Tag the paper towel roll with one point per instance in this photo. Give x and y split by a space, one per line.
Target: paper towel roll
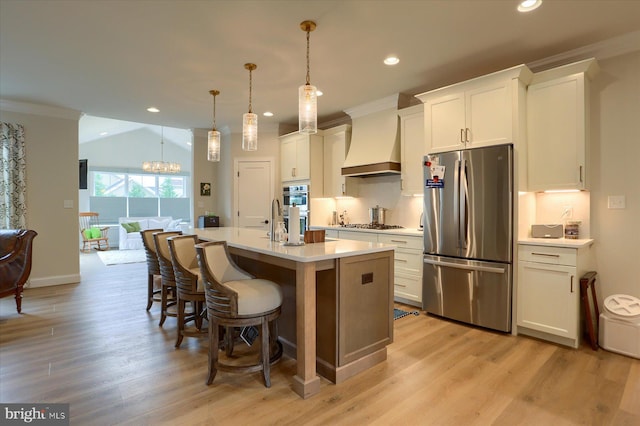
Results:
294 225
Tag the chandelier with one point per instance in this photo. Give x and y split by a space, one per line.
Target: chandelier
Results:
307 94
213 140
161 166
250 120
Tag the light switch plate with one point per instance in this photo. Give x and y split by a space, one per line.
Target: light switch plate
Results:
616 202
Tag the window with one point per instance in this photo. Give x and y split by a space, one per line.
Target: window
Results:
117 194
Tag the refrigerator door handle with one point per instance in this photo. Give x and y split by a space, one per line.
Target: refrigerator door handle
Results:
491 269
462 216
456 199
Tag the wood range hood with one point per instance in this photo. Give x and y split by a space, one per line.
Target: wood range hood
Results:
375 138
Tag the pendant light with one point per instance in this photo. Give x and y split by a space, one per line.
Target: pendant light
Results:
250 120
161 166
307 96
213 141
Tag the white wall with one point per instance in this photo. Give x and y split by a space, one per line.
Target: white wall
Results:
614 170
51 139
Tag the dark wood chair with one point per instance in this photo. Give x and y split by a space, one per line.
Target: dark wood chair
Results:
590 306
237 299
189 284
166 273
15 262
153 266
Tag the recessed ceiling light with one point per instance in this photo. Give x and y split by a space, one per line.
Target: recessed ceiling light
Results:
153 109
529 5
391 60
104 133
267 114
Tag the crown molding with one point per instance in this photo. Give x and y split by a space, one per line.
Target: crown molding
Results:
609 48
39 109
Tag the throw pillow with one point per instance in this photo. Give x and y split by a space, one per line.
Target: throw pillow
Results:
87 233
95 233
174 225
159 223
131 227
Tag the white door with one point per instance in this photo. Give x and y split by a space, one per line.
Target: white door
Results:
254 192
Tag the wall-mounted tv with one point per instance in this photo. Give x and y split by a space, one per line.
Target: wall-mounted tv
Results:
83 174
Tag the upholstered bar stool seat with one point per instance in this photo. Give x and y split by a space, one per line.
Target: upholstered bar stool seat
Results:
166 272
189 284
237 299
153 266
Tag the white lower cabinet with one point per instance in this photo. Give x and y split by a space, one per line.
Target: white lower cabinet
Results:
407 267
548 300
407 276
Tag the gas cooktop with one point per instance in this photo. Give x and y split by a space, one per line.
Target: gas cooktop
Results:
371 226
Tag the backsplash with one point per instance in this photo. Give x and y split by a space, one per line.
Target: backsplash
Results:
383 191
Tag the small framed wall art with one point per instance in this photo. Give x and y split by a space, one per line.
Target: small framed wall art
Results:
205 189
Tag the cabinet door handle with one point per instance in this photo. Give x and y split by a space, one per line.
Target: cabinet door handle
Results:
398 241
571 283
293 172
581 174
401 260
466 135
461 135
399 285
343 191
545 254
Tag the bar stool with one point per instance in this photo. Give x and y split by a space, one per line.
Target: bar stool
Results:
188 282
153 267
166 273
236 299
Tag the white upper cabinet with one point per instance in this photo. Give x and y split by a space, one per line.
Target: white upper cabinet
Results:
558 127
480 112
412 148
336 146
301 158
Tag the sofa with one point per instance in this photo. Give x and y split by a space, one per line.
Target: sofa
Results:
129 229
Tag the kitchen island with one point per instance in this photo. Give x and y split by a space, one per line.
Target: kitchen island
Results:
337 313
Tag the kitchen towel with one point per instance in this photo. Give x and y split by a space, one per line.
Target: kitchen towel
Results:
294 225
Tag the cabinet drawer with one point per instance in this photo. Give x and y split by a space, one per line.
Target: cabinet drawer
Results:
331 233
549 255
408 261
401 241
359 236
408 287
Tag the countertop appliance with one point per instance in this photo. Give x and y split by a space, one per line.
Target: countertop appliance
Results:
468 235
376 214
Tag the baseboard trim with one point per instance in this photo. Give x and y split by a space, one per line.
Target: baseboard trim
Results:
53 280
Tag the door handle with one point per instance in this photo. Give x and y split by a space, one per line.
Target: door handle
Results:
466 135
461 135
465 267
571 283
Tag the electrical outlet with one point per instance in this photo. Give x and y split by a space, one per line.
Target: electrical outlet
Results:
567 212
616 202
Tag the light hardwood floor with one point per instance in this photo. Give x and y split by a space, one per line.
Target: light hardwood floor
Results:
94 346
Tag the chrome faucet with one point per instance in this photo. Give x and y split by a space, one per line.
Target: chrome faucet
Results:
278 212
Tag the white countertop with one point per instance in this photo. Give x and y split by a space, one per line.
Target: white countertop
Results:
557 242
258 241
398 231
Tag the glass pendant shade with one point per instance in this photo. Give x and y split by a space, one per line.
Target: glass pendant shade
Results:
250 131
213 146
307 109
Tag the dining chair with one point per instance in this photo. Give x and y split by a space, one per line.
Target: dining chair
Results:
189 284
166 273
153 266
237 299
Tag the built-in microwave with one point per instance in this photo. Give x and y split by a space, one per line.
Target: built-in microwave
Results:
296 194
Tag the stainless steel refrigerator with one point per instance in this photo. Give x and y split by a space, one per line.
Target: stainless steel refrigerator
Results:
468 235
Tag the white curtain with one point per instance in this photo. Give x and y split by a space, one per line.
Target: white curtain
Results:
13 184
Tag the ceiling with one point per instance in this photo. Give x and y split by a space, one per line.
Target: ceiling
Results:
113 59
